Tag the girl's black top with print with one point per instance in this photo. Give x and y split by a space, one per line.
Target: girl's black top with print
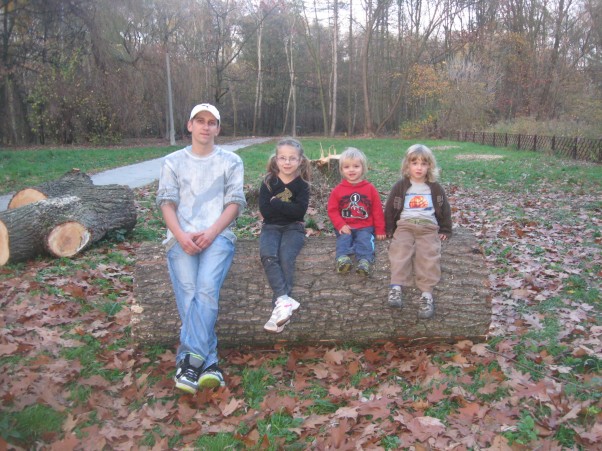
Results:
282 203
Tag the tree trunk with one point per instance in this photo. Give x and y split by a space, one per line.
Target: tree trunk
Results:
335 68
69 183
334 308
64 226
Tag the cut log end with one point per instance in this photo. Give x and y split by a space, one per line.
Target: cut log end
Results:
25 197
4 247
67 239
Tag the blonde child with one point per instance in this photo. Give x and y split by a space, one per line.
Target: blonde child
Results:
283 202
356 212
418 217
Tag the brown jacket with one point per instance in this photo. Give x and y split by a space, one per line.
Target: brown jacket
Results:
394 206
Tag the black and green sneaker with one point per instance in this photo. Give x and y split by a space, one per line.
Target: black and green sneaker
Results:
188 373
212 377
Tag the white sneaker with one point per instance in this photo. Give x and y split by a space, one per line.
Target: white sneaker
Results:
271 327
285 306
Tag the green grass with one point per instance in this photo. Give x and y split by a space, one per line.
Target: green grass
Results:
30 424
218 442
256 383
23 168
513 170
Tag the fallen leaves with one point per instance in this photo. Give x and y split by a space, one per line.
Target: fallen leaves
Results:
57 341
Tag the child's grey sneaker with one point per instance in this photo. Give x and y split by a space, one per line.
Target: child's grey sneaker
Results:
212 377
426 307
395 298
364 267
188 373
344 264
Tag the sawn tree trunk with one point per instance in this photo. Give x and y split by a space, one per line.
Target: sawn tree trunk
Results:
64 226
70 183
334 308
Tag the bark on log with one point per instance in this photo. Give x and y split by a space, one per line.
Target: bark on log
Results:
334 308
64 226
69 183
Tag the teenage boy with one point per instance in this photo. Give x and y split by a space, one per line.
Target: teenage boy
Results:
200 195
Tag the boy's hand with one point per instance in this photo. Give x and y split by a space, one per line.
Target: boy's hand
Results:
443 237
204 239
187 241
345 230
381 237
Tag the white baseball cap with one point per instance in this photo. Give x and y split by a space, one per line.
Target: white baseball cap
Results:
205 107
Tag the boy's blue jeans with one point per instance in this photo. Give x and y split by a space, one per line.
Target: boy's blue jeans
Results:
360 242
197 280
279 246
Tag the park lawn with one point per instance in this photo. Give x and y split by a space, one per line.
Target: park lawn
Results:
70 374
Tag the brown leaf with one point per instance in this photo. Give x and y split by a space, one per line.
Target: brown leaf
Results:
229 408
346 412
425 427
7 349
334 356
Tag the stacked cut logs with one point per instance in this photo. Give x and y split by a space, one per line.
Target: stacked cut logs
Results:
63 217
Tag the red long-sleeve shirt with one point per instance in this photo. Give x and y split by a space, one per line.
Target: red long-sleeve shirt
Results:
357 206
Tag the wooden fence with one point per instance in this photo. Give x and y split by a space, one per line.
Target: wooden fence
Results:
576 148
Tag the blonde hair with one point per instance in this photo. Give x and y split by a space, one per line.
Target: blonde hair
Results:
351 153
420 152
303 170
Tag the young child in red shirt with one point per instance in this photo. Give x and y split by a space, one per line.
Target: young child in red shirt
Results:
356 212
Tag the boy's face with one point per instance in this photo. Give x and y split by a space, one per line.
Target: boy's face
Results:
204 127
352 170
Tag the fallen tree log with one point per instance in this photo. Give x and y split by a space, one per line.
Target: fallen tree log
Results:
70 183
334 308
64 226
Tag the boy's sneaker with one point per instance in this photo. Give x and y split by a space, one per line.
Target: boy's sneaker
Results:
285 306
426 307
212 377
364 267
188 373
395 298
344 264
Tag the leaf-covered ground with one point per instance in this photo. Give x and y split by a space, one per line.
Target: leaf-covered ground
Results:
71 379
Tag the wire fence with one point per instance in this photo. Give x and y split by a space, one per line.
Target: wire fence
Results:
576 148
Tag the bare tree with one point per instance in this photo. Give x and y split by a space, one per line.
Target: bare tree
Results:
292 92
259 83
314 49
335 72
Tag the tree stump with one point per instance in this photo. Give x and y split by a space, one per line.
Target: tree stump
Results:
334 308
65 226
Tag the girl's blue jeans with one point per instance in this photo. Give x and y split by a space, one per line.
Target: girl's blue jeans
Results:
360 242
197 280
279 246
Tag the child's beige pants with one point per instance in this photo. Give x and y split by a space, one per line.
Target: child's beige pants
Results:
416 242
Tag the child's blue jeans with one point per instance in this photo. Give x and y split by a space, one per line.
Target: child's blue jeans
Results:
360 242
279 246
197 280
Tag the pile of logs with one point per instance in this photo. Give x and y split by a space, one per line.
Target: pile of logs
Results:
63 217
